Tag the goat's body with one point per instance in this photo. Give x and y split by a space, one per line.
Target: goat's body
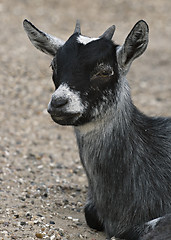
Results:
127 159
126 155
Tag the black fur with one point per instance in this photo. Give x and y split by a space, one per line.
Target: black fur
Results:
92 218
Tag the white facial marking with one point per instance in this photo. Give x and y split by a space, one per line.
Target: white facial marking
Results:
74 104
153 222
85 40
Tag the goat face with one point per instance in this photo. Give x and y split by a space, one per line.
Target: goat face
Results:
86 70
83 75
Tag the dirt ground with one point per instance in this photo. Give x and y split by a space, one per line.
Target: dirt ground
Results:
42 184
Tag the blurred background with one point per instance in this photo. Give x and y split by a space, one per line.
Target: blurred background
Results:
34 151
150 73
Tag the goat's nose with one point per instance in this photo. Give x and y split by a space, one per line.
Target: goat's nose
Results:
58 102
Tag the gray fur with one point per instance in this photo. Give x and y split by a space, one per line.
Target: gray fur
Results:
159 229
134 45
110 146
41 40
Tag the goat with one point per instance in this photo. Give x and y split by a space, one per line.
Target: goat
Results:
126 154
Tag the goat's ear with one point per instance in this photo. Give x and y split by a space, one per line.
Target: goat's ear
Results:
41 40
134 45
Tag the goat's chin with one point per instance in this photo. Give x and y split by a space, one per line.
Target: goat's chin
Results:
69 120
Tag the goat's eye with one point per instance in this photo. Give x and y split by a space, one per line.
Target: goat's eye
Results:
102 72
106 73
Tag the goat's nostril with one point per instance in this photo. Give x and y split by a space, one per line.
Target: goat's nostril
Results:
59 102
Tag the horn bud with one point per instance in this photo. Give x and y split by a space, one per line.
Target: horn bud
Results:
108 34
77 27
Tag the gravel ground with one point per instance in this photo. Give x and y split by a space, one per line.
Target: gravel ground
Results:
42 184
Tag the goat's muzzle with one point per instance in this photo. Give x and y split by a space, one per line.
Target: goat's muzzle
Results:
61 113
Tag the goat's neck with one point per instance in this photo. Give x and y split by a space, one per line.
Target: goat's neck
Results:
104 141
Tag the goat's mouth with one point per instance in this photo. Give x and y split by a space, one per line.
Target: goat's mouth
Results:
65 119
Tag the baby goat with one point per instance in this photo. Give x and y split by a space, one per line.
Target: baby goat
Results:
126 154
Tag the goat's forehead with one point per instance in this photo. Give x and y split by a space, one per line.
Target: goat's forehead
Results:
85 40
82 48
81 39
77 40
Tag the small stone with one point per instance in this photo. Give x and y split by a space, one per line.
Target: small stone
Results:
65 201
13 237
52 222
36 221
52 237
40 166
5 232
39 235
23 206
6 224
61 232
75 219
22 198
79 224
23 223
80 236
45 195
